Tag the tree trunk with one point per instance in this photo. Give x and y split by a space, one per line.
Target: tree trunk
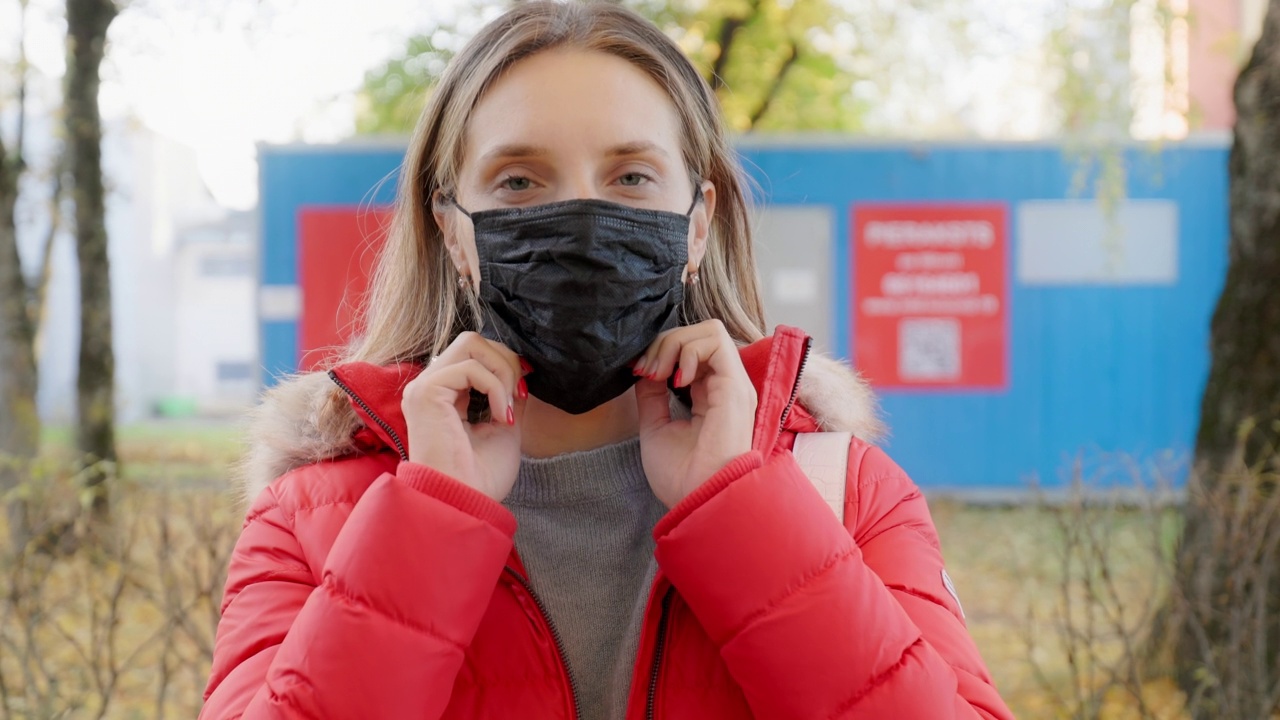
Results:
19 422
1226 605
87 23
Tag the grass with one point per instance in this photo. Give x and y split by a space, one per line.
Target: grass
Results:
1021 572
178 454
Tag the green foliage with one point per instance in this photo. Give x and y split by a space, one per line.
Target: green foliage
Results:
1090 52
393 94
779 67
771 73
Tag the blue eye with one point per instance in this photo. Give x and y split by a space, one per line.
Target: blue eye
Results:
517 183
632 179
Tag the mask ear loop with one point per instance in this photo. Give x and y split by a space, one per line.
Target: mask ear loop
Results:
697 195
484 311
442 201
449 199
478 410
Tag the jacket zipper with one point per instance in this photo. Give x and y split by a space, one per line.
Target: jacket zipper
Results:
555 633
659 646
555 636
795 389
661 642
404 455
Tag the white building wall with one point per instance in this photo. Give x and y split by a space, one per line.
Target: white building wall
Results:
214 341
154 195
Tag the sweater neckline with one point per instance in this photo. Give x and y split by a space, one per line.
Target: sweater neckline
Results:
580 476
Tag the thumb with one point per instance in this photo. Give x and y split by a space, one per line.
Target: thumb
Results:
652 405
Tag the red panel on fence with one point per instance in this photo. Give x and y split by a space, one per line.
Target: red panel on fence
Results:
931 295
337 250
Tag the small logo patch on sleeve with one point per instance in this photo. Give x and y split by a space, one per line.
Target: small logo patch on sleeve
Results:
951 588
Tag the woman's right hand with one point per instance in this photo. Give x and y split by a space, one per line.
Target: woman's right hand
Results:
484 456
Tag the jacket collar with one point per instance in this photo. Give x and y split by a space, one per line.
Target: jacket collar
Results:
307 419
774 364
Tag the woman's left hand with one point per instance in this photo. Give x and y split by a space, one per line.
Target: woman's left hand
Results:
680 455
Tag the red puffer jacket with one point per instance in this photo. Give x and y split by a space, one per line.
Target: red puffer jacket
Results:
371 587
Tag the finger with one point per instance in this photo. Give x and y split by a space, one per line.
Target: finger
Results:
715 353
644 365
652 405
661 357
690 356
517 366
470 375
496 357
521 402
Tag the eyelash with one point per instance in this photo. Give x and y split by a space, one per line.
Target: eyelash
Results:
504 183
645 178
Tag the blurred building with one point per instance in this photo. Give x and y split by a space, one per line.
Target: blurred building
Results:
1219 37
214 347
1182 81
183 287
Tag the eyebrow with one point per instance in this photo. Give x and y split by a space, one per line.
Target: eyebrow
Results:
636 148
520 150
516 150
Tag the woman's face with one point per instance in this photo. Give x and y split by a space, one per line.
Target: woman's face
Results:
569 124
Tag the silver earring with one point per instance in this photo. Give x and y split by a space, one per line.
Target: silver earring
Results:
464 282
693 278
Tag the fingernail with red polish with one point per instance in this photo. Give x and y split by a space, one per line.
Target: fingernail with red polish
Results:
676 382
522 389
511 416
525 366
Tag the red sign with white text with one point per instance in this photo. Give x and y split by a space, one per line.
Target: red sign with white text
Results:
931 295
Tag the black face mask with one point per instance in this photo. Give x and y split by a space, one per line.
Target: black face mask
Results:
580 289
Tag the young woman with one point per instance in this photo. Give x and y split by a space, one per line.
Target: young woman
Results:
554 478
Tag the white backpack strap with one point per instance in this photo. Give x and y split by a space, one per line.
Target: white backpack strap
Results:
824 458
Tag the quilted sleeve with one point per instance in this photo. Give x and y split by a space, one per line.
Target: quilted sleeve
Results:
816 620
380 629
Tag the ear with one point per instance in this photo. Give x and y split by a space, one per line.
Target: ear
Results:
442 210
700 225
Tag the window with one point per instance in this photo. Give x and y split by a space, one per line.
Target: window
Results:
225 266
234 371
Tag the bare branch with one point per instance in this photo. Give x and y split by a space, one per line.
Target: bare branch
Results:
39 287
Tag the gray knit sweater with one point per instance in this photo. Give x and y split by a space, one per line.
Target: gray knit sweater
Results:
585 535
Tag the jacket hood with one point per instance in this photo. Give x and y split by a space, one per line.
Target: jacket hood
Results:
356 406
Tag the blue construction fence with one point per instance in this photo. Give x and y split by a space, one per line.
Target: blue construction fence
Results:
1094 348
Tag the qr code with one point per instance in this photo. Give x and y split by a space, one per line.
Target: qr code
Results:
929 349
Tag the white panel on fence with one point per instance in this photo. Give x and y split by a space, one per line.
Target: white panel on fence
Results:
794 254
1072 242
279 303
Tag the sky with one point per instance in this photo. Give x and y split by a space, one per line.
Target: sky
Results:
221 76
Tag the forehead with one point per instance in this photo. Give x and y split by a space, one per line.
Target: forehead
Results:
573 100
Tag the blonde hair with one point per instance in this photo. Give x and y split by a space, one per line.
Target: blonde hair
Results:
415 307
